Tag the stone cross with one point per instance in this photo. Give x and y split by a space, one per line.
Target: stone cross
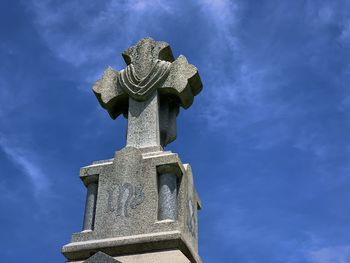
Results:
141 206
149 92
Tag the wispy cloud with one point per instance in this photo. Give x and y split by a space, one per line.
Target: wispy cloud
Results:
225 15
244 233
239 76
27 161
24 158
345 34
245 75
335 254
96 30
313 142
269 78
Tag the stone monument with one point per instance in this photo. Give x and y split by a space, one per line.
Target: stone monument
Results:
141 206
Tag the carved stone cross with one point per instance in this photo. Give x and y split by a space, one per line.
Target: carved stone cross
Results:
149 92
142 204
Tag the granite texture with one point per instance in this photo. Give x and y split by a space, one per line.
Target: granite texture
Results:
90 206
168 111
149 92
101 257
167 256
143 122
142 201
150 66
169 176
167 203
126 218
172 256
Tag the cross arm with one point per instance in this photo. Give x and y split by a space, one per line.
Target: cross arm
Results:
111 96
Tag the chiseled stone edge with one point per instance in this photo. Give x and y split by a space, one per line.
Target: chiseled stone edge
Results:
188 169
101 257
150 257
169 256
131 244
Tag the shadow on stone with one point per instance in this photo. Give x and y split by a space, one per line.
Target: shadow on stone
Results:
101 257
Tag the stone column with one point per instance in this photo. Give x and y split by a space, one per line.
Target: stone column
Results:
91 183
167 191
143 122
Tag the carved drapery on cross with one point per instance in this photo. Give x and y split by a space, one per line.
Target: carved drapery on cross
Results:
151 72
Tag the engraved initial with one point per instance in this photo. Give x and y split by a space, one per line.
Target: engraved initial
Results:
126 196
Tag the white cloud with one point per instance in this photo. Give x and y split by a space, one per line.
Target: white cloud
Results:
242 98
78 31
326 13
225 16
12 142
345 104
313 142
93 33
244 95
238 82
114 26
345 33
27 161
336 254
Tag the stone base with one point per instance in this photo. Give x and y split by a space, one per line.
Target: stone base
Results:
124 217
170 256
132 245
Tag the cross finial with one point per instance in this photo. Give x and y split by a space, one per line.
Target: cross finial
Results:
149 92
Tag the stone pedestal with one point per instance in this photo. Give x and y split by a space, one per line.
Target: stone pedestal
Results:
145 209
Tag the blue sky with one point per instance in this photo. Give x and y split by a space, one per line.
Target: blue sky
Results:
268 137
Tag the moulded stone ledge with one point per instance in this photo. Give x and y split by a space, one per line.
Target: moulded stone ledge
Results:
131 244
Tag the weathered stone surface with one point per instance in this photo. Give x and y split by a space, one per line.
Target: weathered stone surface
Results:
167 205
172 256
127 208
168 111
110 95
167 256
143 200
151 66
101 257
149 92
168 179
90 203
143 123
183 81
